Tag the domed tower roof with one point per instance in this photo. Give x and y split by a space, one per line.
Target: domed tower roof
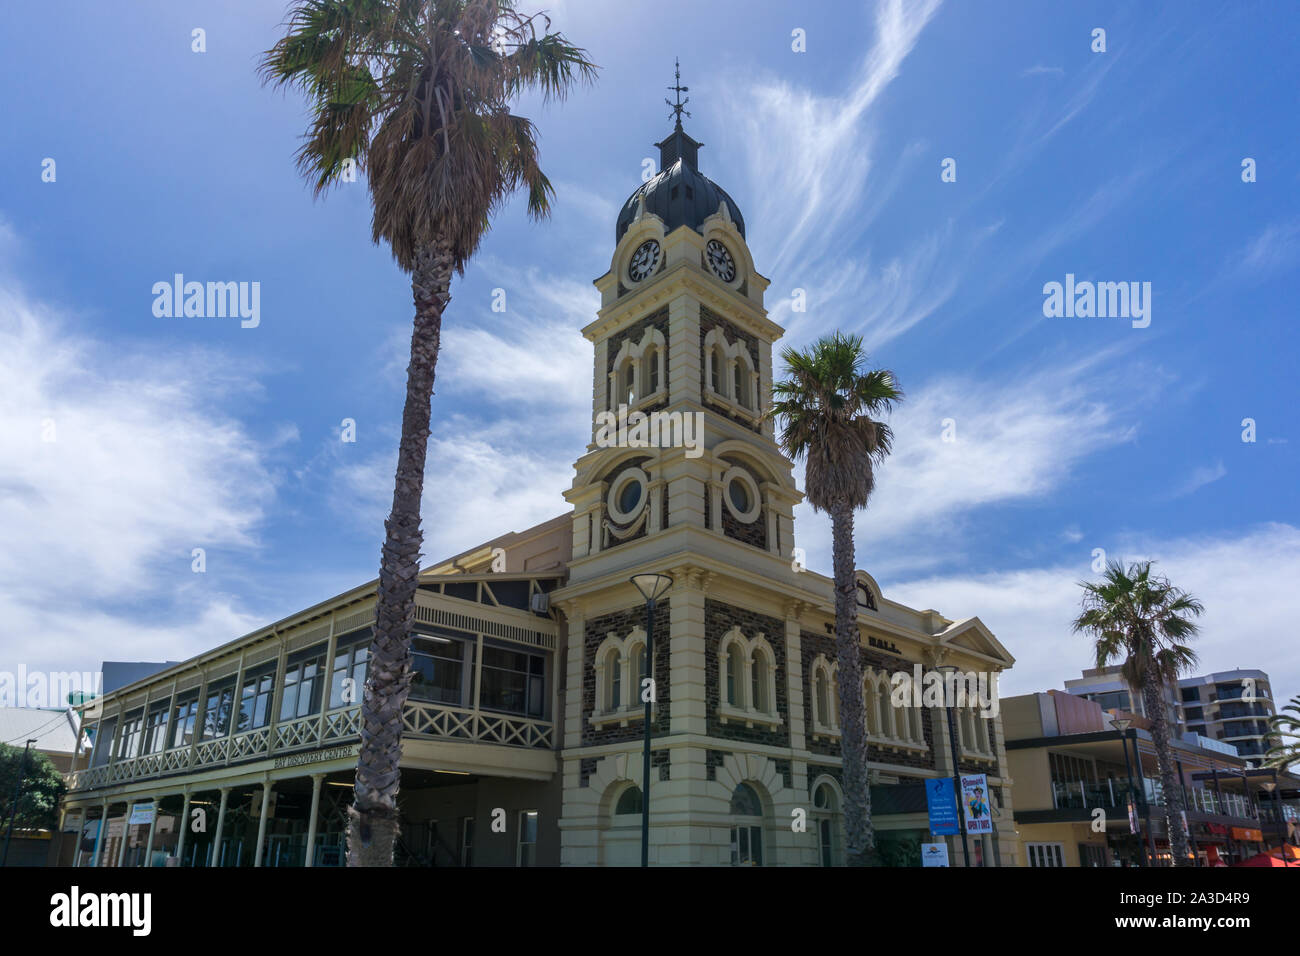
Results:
680 194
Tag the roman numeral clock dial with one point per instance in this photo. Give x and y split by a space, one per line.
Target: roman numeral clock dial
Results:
644 260
720 261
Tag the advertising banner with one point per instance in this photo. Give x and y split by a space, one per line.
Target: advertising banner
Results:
975 798
141 813
942 803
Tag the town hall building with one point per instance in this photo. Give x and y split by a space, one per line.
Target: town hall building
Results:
525 721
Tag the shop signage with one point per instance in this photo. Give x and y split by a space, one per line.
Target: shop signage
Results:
940 799
315 756
975 798
1248 834
934 854
141 813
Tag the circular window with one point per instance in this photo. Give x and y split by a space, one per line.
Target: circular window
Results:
627 495
741 494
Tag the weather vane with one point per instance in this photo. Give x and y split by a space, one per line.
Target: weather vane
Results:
680 106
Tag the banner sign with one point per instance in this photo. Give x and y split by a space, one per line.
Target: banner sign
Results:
975 798
934 854
940 799
141 813
1132 816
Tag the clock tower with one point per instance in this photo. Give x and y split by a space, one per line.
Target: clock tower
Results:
682 476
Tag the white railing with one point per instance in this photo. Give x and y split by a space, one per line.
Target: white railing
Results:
419 719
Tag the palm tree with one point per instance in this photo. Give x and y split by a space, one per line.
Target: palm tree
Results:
827 407
1142 618
1285 729
416 94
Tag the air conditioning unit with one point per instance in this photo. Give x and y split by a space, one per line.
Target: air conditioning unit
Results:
541 603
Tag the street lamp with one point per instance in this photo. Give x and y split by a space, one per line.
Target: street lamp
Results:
652 588
1271 787
1122 724
18 795
948 670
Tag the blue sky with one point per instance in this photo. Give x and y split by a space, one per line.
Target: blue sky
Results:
1072 434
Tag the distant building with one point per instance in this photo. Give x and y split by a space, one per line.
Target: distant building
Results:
1232 707
1074 772
54 733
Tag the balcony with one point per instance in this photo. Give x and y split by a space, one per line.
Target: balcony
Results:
420 720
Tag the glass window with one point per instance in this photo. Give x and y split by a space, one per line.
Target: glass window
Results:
823 700
155 729
441 670
350 665
103 742
758 678
128 744
184 715
824 838
739 388
629 496
652 361
303 683
218 708
629 802
735 670
467 841
745 802
638 676
513 682
255 698
746 846
739 495
527 834
615 668
715 377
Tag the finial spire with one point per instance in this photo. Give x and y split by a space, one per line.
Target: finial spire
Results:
680 106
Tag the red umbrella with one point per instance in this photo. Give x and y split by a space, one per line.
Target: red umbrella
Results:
1262 859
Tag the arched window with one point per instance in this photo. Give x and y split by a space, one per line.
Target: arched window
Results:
628 392
738 388
886 712
614 668
870 715
823 700
715 371
759 671
826 817
638 674
652 369
735 675
747 827
629 802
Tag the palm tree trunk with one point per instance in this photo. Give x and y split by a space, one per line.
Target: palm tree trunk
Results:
1169 781
373 817
858 835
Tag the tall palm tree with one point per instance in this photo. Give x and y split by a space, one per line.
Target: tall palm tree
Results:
416 94
1140 617
827 407
1284 727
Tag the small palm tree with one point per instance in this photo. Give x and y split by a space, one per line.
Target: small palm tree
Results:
1285 729
416 94
1140 617
827 408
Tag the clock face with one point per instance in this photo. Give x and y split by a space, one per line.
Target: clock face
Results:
720 261
644 260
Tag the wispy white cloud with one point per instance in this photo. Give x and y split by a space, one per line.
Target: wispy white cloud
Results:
114 465
1012 441
1249 620
1199 478
1038 69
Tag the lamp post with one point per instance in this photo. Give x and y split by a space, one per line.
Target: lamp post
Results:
1122 724
18 795
1271 787
652 588
947 670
